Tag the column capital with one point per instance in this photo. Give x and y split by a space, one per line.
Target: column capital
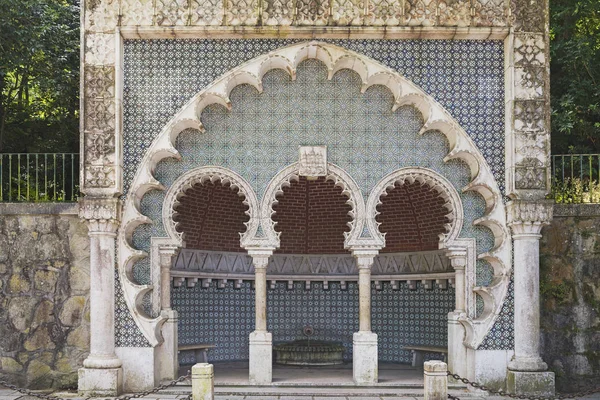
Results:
260 257
102 214
457 256
526 218
166 253
364 257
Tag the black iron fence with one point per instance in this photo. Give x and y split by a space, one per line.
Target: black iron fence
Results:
37 177
576 178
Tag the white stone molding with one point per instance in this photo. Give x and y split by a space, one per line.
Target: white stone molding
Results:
128 256
270 238
424 176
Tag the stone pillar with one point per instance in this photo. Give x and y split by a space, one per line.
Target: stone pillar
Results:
101 374
261 341
435 380
364 359
167 365
203 382
457 352
527 372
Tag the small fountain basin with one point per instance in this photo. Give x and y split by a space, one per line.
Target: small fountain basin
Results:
309 352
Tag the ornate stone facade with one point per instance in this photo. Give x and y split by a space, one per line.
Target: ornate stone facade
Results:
107 22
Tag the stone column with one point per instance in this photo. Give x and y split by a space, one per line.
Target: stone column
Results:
167 365
527 372
364 359
101 374
261 341
457 352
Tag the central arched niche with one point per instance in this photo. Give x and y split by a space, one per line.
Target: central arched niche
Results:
312 217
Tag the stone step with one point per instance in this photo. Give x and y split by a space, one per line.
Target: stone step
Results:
323 391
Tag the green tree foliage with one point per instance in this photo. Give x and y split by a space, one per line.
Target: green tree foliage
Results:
39 75
575 75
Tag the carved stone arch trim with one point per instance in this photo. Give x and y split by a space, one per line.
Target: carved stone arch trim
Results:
270 238
427 177
212 174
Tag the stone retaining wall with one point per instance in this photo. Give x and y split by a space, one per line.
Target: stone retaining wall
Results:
44 285
570 286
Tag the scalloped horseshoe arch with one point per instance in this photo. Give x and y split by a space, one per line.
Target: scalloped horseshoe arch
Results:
212 174
341 178
371 73
427 177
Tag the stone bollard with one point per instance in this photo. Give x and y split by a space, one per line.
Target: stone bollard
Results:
203 382
436 380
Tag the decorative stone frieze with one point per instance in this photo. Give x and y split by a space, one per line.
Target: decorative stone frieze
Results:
100 49
278 12
172 12
529 15
137 12
530 132
455 13
420 12
312 12
101 15
347 12
384 13
242 12
490 13
105 15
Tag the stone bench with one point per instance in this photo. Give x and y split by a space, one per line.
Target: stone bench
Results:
200 351
418 353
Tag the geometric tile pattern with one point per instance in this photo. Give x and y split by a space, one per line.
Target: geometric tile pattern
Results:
464 76
364 136
225 317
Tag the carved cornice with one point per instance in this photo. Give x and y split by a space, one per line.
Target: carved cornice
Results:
106 15
526 218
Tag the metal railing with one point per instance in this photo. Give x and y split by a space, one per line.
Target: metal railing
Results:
585 167
38 177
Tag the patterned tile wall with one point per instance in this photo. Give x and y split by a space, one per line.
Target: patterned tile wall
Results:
160 76
225 317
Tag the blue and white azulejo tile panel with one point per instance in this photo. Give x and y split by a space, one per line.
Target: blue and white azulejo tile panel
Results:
225 317
363 135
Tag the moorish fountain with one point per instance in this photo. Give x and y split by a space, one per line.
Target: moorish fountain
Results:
308 351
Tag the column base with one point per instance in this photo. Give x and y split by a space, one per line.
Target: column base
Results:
100 382
167 365
530 383
364 359
457 352
261 358
534 364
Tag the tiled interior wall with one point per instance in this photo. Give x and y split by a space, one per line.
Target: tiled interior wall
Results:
225 317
